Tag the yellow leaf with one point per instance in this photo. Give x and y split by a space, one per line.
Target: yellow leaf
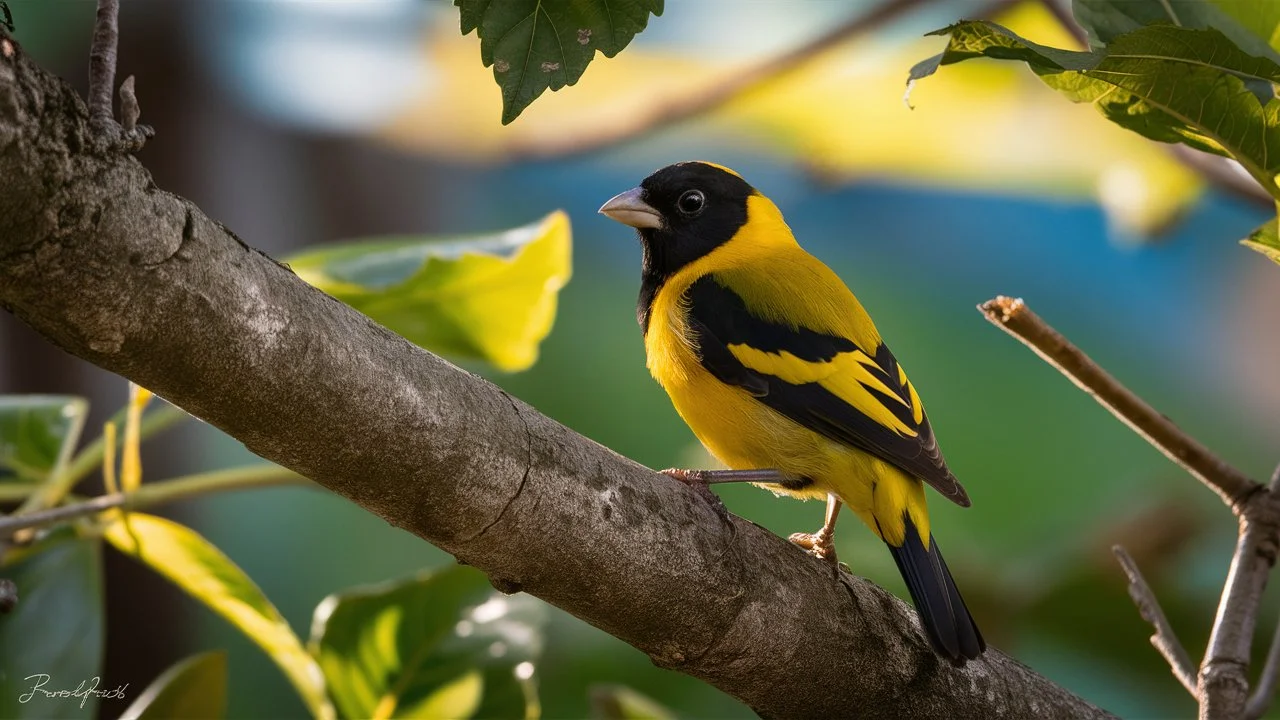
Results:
195 565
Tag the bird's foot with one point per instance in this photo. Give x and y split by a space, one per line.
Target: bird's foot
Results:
697 479
819 545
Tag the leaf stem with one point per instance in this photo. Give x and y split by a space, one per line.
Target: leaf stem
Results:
1014 317
90 458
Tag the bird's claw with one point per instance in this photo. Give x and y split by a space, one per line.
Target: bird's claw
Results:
688 477
817 544
696 479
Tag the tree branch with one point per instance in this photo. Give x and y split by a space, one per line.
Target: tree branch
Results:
102 64
13 523
1165 640
140 282
1222 688
1015 318
1265 691
666 111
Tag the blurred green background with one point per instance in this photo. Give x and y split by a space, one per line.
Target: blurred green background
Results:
296 123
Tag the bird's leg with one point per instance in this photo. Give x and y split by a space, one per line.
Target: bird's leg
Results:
701 480
713 477
820 544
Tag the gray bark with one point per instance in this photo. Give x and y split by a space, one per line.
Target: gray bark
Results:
138 281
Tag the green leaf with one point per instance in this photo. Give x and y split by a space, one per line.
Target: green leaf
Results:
1265 240
193 689
54 636
195 565
619 702
37 434
400 648
489 297
1166 83
1250 24
535 45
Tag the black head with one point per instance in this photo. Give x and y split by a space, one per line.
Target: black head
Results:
682 212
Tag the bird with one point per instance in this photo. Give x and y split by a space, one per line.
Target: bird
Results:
782 375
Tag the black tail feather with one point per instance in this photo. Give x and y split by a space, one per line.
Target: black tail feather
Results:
946 620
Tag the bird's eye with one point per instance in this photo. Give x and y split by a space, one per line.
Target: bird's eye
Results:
691 202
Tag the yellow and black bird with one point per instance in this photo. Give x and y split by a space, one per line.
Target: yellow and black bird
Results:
779 371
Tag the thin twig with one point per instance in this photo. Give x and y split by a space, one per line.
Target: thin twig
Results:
1164 640
90 458
1265 690
152 494
1225 173
12 524
102 63
1015 318
129 110
662 112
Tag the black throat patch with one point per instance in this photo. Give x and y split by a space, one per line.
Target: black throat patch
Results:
685 238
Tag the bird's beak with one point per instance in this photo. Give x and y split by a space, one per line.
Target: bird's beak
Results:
628 209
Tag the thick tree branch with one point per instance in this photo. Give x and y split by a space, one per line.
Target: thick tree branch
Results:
1015 318
140 282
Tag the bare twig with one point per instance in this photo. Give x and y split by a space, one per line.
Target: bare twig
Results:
158 493
1224 173
14 523
1265 691
1014 317
667 111
128 135
102 64
129 110
1164 639
1224 683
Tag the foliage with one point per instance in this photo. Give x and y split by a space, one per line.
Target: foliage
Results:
444 644
199 568
37 435
536 45
193 689
619 702
55 634
472 655
490 297
1176 84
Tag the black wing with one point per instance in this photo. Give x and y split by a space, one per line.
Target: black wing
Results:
726 331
